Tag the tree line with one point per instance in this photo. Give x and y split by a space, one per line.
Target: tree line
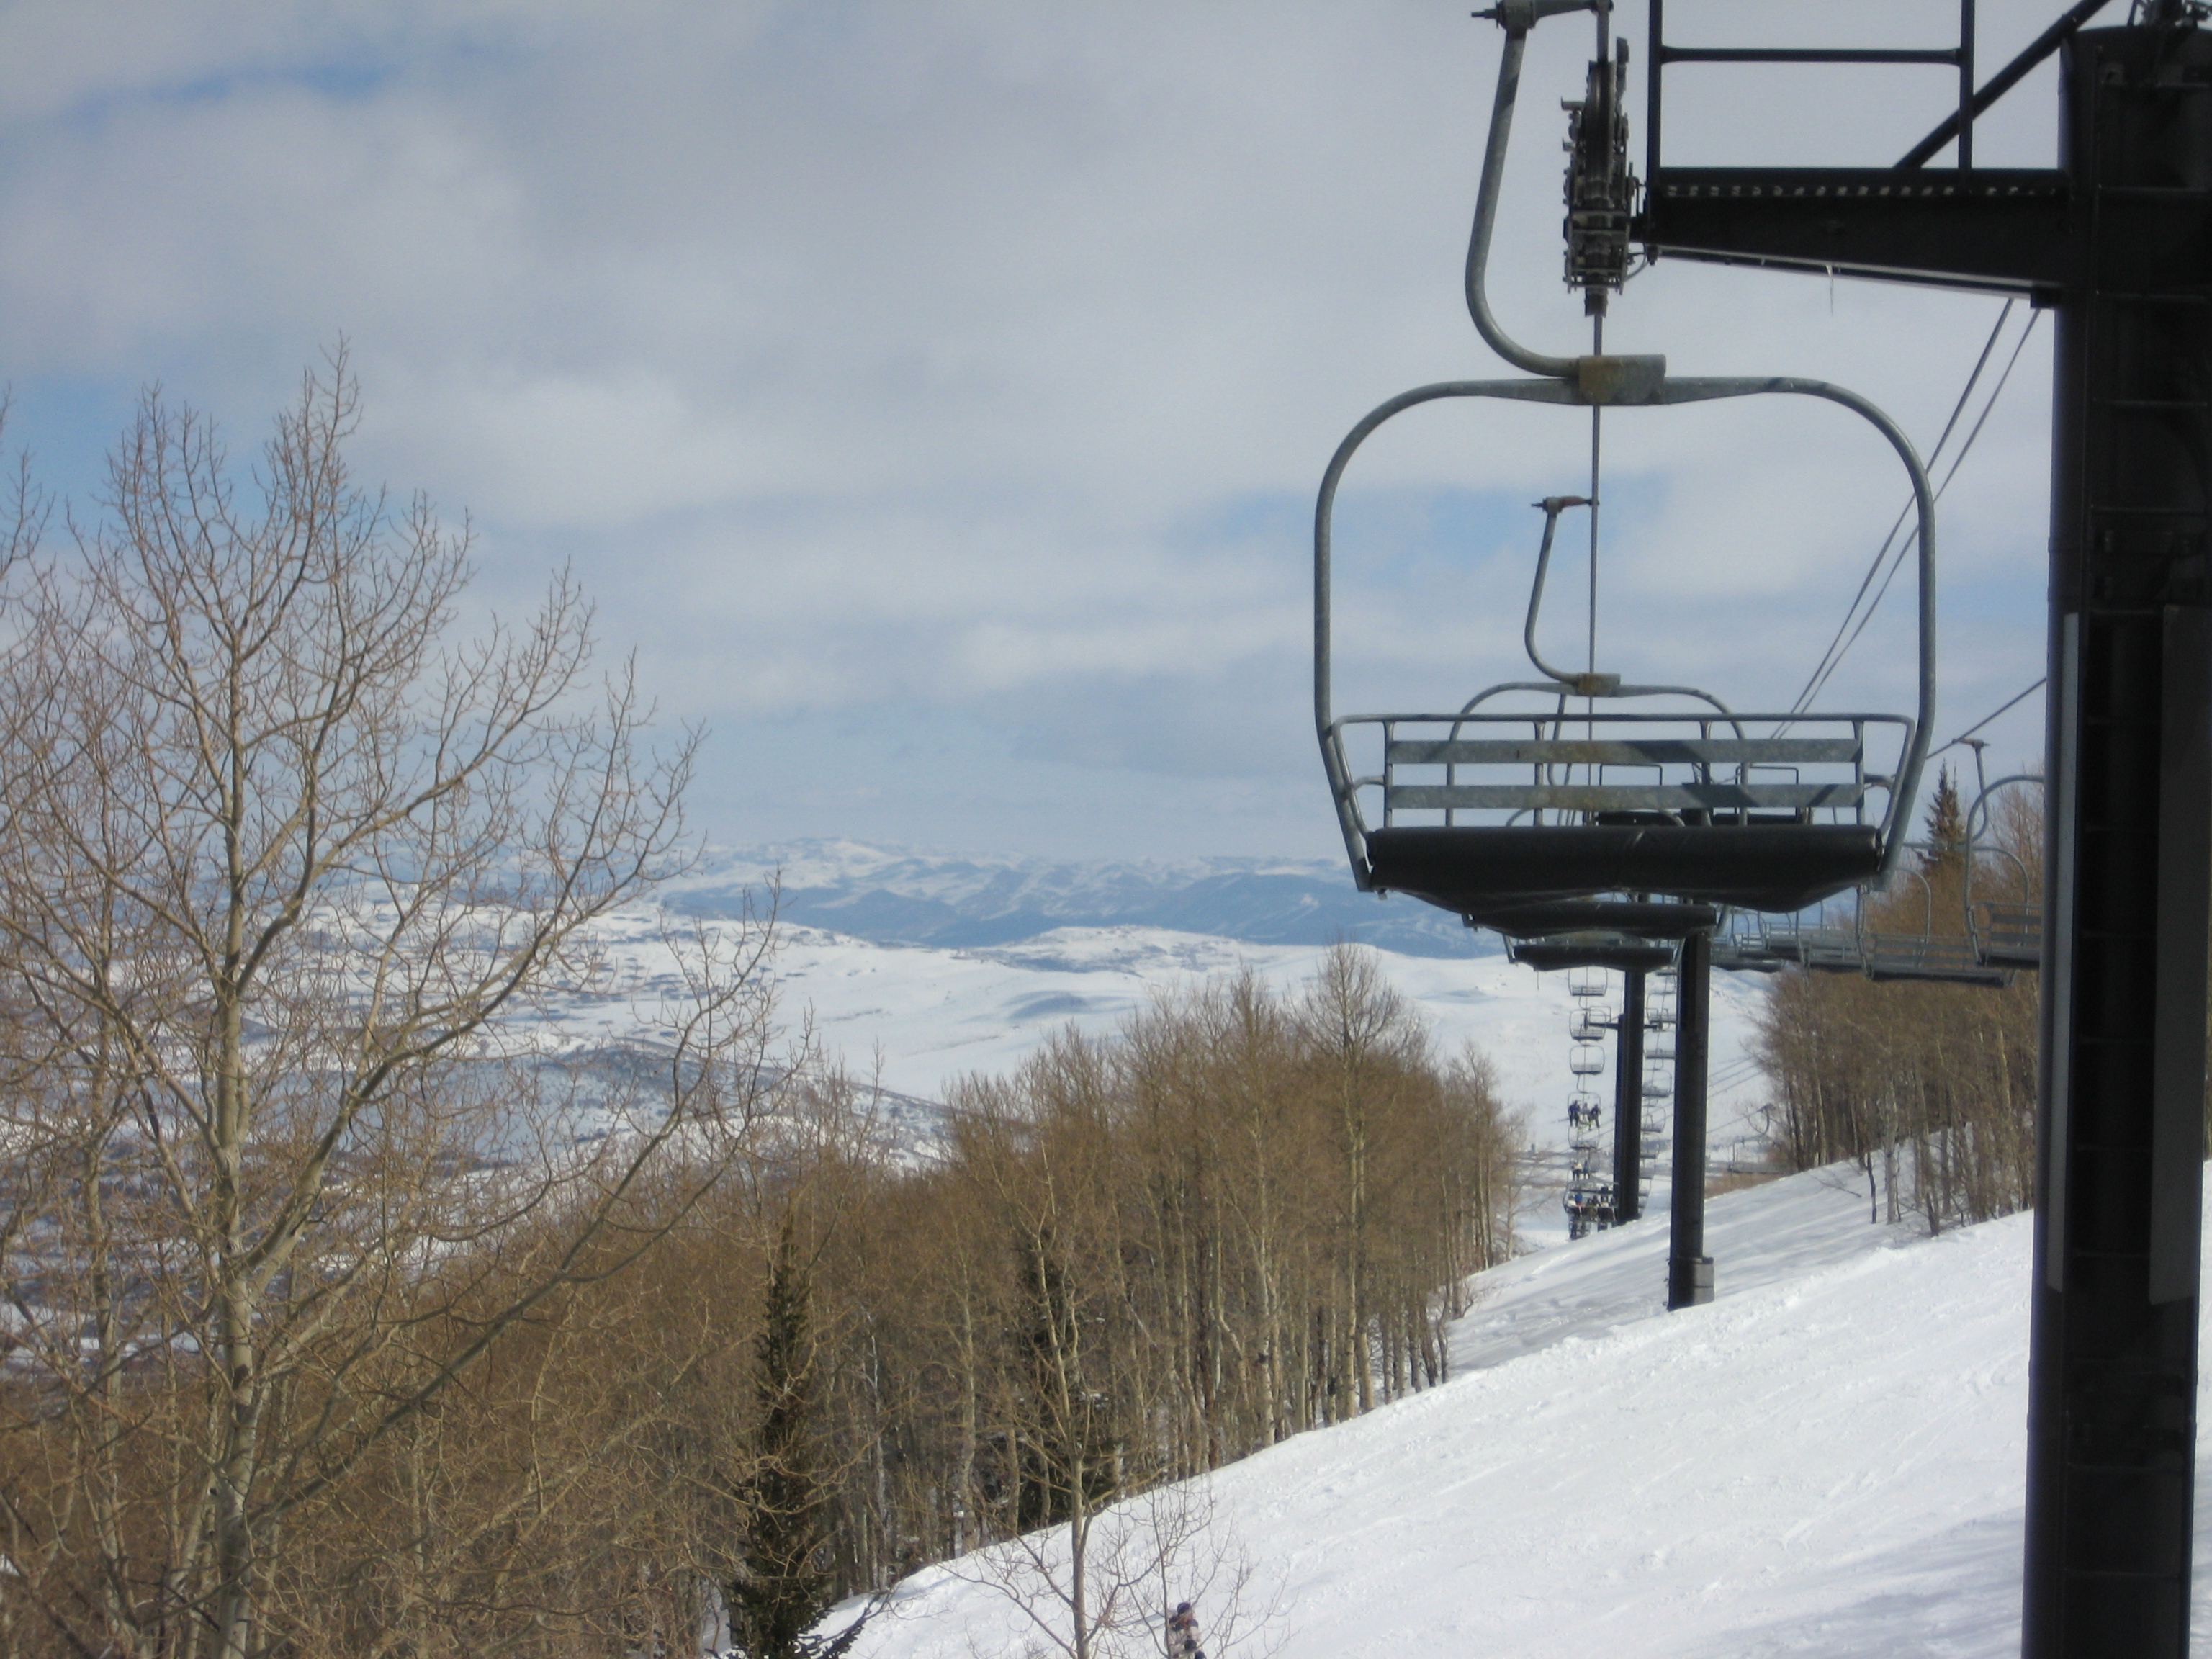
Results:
340 1317
1929 1087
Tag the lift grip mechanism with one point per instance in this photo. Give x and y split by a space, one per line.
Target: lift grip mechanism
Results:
1519 17
1598 379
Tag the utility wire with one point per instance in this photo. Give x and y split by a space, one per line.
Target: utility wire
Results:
1837 645
1913 535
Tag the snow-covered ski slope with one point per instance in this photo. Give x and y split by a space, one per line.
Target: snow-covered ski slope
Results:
1827 1461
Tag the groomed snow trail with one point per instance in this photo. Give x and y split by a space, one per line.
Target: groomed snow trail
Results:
1825 1461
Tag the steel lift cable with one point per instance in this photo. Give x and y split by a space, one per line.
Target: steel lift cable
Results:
2003 708
1735 1071
1595 300
1957 460
1833 659
1874 569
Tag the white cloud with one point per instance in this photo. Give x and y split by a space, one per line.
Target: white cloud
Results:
864 356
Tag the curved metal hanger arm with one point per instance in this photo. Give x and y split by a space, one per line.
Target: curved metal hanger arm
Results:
1595 373
1340 782
1979 812
1977 821
1486 209
1592 684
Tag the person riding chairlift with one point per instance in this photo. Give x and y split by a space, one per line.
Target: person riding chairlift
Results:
1182 1633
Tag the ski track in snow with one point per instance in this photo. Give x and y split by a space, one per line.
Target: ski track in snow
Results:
1826 1463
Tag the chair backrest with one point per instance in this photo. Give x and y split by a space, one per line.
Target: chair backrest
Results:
1946 957
2006 933
1687 766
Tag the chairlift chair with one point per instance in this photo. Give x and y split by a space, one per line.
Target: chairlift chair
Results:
1886 955
1926 954
1748 942
2007 933
1589 1022
1588 1202
1761 944
1515 799
1824 949
1587 982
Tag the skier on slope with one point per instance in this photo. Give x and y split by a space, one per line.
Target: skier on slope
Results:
1182 1633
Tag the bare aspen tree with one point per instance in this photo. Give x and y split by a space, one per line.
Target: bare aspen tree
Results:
1933 1082
279 860
1364 1038
1141 1557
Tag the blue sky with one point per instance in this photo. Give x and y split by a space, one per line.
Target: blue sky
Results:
931 395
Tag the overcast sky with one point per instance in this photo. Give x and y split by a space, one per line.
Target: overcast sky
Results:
933 394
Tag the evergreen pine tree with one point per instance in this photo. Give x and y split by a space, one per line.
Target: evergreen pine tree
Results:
1946 824
783 1588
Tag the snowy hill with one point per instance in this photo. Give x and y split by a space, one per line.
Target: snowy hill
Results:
895 896
917 967
916 1017
1827 1461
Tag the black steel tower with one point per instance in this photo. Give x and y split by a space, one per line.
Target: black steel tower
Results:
2118 242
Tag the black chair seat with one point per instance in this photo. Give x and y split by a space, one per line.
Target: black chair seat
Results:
1594 951
1639 919
1756 866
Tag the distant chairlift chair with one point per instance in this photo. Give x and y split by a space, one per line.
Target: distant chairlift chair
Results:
1928 954
2007 931
1768 944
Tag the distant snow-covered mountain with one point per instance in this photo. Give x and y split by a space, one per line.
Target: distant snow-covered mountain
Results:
894 896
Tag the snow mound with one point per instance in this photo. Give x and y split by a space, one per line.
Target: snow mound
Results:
1827 1461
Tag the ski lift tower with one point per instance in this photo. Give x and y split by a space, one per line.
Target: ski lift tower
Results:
2117 242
